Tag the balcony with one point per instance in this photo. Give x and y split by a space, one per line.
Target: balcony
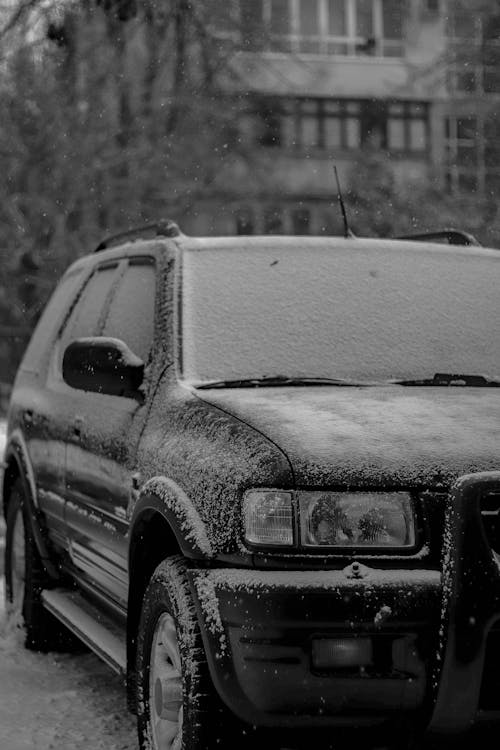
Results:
322 76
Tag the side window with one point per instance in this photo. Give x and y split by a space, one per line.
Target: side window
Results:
132 309
46 329
89 309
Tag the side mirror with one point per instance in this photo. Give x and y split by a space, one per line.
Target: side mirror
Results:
103 365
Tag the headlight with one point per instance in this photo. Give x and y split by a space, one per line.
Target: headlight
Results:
268 517
329 519
356 519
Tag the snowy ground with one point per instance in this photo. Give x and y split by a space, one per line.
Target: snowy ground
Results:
59 702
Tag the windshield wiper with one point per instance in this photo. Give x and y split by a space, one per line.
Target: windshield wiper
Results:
452 379
276 381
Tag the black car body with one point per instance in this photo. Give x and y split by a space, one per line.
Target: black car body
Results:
312 425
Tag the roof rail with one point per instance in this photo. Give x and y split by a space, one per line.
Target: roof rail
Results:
448 236
164 228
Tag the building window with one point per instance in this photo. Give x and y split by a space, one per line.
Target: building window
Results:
276 218
431 8
269 123
273 220
328 124
461 142
373 122
472 154
474 44
245 222
338 27
301 221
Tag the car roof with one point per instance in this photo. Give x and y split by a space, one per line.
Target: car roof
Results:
185 243
281 242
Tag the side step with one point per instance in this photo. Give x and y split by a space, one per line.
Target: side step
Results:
89 624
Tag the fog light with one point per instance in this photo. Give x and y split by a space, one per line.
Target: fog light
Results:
341 653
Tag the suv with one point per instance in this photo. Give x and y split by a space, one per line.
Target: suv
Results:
259 477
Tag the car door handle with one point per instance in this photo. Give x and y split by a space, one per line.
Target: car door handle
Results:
77 426
28 416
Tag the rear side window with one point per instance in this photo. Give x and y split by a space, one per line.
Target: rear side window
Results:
132 309
50 320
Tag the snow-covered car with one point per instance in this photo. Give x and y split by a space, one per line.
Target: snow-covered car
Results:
259 476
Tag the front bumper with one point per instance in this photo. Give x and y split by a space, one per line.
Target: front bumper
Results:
428 631
259 628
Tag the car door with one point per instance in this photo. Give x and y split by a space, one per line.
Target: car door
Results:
38 405
102 431
102 447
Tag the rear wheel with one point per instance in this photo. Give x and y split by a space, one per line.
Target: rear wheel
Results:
177 706
16 566
25 578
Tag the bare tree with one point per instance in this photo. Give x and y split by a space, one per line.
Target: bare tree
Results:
112 113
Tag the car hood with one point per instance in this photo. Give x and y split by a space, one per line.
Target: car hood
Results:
373 436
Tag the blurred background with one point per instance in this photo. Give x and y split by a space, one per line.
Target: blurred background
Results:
227 117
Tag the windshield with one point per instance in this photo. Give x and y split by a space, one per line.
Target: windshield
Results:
361 311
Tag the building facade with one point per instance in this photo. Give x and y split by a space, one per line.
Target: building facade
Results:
471 124
329 82
339 81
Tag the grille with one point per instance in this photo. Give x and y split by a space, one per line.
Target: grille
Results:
490 513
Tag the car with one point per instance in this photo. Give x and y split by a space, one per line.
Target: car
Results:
259 476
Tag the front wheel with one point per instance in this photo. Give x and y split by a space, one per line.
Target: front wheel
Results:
177 706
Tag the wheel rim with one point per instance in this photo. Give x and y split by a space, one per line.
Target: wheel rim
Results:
165 686
17 565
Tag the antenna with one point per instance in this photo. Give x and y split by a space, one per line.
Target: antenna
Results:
347 231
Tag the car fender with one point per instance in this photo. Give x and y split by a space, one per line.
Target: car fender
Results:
17 452
163 495
159 496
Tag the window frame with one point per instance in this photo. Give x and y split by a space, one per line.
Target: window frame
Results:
352 117
128 262
72 313
323 43
457 174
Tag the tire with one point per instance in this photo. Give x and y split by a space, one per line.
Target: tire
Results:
25 578
170 651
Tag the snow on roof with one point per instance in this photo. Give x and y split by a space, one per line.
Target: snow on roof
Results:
249 242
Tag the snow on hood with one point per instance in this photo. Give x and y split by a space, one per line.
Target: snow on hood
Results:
375 436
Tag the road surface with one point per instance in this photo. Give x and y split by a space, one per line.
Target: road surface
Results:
58 701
